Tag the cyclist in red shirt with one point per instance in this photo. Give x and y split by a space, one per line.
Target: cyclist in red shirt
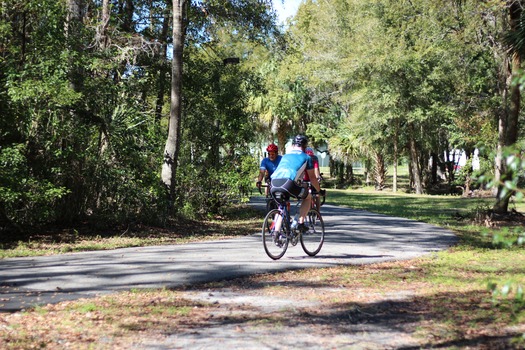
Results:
315 161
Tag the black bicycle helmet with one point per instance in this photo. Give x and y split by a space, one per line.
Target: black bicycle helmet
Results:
300 140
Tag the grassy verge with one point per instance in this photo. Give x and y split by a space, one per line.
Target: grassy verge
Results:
234 221
466 216
474 287
453 299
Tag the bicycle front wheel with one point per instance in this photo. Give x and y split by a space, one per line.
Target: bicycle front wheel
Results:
275 241
313 239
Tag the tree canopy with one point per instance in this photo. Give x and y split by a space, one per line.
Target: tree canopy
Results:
98 96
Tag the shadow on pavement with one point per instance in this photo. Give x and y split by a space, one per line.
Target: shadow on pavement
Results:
352 237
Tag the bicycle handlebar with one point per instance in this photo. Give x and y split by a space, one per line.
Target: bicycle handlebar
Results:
260 187
323 197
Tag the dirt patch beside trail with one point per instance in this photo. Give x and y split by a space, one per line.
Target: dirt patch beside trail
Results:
377 306
255 320
313 309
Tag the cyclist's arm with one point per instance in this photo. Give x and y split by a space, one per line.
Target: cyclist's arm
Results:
261 175
313 179
262 171
316 169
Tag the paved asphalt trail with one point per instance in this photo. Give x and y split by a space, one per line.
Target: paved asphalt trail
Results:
352 237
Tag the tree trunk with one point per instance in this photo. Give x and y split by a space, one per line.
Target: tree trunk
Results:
424 161
103 44
73 202
162 71
282 135
103 27
171 150
379 171
23 39
508 121
410 176
349 170
340 172
127 22
414 161
449 164
434 168
468 172
394 175
499 165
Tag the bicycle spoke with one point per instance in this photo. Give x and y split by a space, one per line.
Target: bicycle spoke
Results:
275 241
313 239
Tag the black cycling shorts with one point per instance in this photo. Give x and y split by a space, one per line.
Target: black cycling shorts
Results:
288 188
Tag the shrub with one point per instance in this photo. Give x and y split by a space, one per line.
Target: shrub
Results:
25 200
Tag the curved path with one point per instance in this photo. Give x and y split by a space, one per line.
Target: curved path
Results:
352 237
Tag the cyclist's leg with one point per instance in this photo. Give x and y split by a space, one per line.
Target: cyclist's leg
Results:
299 192
267 181
270 202
305 206
316 199
303 194
279 194
277 220
318 203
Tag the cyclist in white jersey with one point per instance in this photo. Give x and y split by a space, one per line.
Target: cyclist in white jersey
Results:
285 179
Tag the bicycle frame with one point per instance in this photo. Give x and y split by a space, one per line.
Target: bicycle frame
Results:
286 217
277 232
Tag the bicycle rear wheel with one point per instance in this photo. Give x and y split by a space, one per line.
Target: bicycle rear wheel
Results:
313 239
275 242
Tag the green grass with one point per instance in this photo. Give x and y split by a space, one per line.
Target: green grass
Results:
432 209
453 212
478 260
233 221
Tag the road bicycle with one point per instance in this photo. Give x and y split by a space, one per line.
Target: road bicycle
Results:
278 233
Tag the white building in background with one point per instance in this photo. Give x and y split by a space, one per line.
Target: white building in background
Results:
460 158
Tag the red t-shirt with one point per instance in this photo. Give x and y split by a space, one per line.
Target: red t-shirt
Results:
316 166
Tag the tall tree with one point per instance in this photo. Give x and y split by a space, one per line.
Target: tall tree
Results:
171 150
508 119
256 16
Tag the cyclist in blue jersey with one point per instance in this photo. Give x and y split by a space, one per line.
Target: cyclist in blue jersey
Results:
290 170
269 164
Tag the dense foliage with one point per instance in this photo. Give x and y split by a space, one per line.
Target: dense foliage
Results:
409 77
87 104
84 96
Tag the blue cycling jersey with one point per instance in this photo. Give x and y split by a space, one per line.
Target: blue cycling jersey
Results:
269 166
292 165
